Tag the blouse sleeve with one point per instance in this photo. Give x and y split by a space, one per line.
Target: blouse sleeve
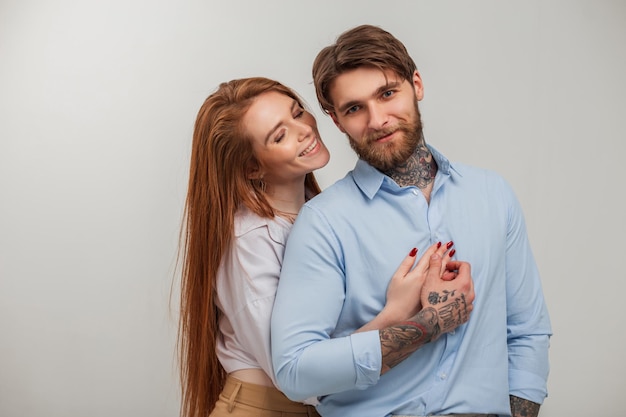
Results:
252 272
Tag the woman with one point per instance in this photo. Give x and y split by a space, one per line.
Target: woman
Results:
254 149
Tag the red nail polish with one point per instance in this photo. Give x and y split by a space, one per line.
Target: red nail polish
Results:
413 252
438 245
449 244
452 252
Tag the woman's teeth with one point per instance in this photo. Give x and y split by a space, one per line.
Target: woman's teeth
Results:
309 148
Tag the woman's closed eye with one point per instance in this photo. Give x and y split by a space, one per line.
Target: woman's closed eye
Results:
279 137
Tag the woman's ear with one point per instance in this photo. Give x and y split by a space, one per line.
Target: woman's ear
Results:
254 171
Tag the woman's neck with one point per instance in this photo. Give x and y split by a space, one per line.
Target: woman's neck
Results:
286 198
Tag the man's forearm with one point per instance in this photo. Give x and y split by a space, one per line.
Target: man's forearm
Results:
399 341
447 305
523 408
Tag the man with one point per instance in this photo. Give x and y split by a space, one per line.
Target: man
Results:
348 239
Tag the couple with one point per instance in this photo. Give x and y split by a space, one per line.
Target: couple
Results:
359 326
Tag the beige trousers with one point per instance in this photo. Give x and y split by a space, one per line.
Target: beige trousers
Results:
241 399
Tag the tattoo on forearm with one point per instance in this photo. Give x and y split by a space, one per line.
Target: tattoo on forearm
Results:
523 408
399 341
430 317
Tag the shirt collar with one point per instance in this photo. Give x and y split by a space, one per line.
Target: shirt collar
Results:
370 180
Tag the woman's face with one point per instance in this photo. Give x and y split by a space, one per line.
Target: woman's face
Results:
285 139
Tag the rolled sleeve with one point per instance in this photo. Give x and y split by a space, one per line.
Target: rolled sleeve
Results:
527 385
528 323
367 358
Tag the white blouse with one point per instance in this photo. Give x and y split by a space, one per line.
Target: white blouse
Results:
246 287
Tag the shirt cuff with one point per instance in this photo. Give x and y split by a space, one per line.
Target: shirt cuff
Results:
367 358
527 385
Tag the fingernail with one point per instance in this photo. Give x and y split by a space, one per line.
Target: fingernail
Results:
413 252
438 245
449 244
452 252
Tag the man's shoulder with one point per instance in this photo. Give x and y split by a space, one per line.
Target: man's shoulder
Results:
478 180
468 169
475 173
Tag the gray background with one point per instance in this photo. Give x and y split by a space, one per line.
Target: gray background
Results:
97 104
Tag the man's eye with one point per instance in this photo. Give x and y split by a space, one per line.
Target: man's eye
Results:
299 114
352 109
387 94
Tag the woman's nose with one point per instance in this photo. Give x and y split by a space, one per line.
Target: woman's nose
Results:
305 131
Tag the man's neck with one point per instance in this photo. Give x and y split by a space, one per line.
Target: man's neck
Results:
419 170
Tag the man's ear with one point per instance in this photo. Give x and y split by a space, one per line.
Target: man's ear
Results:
418 85
333 116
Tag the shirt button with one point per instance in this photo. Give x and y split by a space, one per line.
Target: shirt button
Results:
443 376
415 192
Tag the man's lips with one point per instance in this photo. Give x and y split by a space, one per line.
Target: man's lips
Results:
384 136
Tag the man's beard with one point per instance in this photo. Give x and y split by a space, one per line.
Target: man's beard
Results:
388 155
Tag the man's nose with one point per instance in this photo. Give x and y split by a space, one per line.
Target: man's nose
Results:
377 117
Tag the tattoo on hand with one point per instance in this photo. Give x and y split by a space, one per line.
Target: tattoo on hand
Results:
435 298
452 313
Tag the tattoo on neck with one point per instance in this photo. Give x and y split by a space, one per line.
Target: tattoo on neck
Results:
419 170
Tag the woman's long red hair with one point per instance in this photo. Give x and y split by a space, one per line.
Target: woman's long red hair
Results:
221 158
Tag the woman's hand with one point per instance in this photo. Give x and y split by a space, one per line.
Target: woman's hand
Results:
405 287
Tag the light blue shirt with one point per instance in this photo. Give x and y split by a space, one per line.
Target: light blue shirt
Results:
345 246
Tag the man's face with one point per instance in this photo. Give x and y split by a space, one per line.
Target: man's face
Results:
379 113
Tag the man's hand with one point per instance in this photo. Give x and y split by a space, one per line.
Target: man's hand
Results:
405 288
447 305
523 408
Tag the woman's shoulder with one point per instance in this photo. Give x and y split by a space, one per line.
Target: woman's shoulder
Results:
248 223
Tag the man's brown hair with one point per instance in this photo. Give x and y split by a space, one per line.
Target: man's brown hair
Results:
362 46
